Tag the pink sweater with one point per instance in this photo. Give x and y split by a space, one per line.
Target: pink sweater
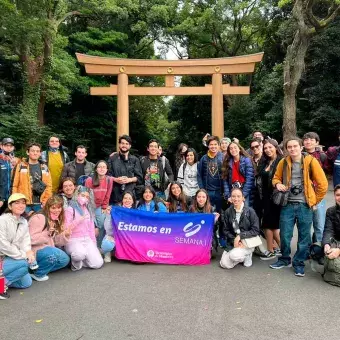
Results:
80 227
102 192
40 237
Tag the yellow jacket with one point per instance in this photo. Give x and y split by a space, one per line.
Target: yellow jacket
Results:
22 182
315 181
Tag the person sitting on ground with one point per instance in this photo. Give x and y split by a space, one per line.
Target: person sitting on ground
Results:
187 173
47 231
178 201
80 167
239 222
332 228
80 217
66 190
55 158
150 202
33 179
15 245
128 200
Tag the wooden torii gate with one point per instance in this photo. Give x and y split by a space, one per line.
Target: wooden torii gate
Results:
169 68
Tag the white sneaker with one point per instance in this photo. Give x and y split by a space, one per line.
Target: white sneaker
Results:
40 279
107 257
248 261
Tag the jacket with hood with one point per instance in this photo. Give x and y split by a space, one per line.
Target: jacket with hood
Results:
15 239
22 182
314 178
247 171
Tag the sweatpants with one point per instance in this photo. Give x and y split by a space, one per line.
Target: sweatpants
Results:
235 256
84 253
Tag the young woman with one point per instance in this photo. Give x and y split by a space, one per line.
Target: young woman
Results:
180 156
66 190
178 201
187 173
150 202
128 200
239 222
101 184
238 172
80 217
270 212
225 141
47 231
15 245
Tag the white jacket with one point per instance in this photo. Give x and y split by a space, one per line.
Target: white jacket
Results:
15 239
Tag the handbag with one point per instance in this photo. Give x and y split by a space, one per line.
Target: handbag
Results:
38 185
252 242
281 197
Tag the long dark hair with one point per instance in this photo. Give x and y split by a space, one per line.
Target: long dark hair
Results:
228 156
265 159
133 198
154 197
173 200
194 152
207 206
95 178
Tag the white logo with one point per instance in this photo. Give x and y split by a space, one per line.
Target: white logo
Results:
190 229
150 253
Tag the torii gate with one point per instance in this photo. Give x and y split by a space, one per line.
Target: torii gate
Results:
169 68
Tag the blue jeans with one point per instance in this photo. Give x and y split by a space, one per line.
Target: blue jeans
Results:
107 246
303 216
319 219
16 273
33 207
100 219
215 199
50 259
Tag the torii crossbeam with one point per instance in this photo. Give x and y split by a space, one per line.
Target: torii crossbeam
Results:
170 68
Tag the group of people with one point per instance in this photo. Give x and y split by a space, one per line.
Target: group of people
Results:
56 212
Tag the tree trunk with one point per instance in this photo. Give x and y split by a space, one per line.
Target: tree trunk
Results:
294 66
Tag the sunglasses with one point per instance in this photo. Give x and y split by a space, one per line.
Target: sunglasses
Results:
255 147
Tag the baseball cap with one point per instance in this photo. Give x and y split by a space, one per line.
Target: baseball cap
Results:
16 197
8 140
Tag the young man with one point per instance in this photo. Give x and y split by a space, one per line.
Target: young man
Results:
32 178
125 169
79 166
209 172
154 171
55 157
311 141
7 162
307 186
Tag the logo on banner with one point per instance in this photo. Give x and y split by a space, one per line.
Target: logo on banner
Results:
190 229
150 253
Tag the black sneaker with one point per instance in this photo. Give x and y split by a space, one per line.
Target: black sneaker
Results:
268 255
5 295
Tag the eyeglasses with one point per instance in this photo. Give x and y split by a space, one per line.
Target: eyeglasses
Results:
255 147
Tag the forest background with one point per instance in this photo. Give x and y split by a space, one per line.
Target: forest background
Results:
43 90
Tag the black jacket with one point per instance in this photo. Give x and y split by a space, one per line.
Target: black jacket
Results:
145 163
119 166
332 225
248 225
